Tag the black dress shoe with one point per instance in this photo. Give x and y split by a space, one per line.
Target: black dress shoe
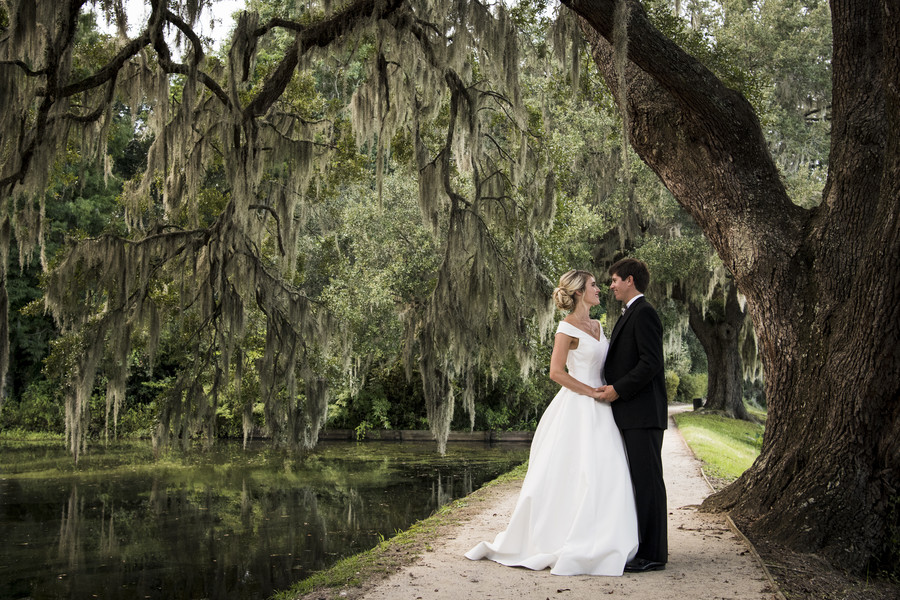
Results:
642 565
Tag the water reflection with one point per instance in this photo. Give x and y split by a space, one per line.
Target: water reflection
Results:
223 524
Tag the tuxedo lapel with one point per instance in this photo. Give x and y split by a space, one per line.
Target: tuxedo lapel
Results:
618 327
621 322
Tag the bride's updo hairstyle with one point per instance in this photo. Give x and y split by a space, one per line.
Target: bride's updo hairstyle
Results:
571 282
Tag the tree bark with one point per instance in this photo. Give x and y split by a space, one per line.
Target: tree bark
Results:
822 285
719 332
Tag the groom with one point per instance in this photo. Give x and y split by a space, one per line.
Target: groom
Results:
637 390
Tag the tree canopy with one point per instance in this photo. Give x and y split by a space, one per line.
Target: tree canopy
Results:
242 154
439 81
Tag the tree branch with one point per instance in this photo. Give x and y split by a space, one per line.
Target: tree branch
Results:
702 139
188 32
210 83
319 34
98 112
24 67
109 71
278 22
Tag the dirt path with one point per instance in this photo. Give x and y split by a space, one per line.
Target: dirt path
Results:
707 560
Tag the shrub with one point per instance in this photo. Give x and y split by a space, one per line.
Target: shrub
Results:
672 381
40 408
692 385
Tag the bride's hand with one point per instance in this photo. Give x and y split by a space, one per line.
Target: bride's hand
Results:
606 393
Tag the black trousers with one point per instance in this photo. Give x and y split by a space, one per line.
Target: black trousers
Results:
644 448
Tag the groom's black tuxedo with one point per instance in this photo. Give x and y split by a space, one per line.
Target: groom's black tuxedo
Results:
634 367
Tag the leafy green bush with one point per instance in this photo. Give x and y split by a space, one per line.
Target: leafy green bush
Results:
497 420
692 385
386 401
138 420
39 408
505 401
362 430
672 381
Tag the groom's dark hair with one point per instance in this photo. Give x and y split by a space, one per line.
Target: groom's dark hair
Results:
632 267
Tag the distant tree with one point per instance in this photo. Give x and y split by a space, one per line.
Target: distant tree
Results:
687 270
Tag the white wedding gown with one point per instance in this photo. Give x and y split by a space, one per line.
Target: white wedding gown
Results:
575 513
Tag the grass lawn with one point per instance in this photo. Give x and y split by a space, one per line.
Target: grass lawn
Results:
725 446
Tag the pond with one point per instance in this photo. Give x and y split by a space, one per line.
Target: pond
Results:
221 523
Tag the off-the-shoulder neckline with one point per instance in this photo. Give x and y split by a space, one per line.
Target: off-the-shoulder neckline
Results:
587 333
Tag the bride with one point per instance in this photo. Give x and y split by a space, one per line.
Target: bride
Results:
576 512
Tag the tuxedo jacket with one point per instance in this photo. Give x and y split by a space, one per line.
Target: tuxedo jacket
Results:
634 367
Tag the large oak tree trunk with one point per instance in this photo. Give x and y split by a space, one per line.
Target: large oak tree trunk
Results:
822 285
719 332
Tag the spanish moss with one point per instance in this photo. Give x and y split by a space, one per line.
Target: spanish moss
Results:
482 190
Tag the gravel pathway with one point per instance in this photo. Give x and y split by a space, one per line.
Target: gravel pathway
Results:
707 558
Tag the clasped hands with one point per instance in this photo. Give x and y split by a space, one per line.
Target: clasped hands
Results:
605 393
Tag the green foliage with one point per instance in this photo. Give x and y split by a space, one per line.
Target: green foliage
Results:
690 386
137 420
30 329
38 408
672 382
497 420
370 262
80 201
717 53
387 400
509 402
568 244
505 402
362 430
30 435
778 54
677 259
